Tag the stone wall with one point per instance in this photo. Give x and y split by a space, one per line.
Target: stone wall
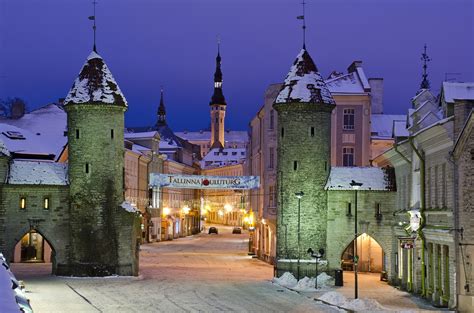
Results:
52 224
303 165
340 224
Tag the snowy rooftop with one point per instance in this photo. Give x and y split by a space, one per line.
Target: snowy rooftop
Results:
304 83
139 149
3 149
38 132
37 173
400 129
225 155
382 124
372 178
95 84
168 144
149 134
458 91
230 136
346 83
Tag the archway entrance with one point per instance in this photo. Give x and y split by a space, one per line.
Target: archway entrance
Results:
32 248
370 254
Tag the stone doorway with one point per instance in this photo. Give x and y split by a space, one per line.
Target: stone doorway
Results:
33 247
371 255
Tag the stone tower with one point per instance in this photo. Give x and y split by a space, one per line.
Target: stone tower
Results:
103 234
218 107
304 107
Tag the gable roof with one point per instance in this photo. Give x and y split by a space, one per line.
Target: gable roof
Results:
458 91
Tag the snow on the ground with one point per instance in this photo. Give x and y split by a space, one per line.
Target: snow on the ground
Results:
306 284
358 305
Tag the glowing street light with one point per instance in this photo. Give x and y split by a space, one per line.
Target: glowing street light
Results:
299 195
356 186
228 208
186 209
166 211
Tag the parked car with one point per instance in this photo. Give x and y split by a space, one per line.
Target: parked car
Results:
237 230
213 230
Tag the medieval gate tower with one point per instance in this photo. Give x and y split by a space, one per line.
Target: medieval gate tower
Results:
103 239
304 107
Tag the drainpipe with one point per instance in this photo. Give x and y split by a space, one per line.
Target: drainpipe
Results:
422 213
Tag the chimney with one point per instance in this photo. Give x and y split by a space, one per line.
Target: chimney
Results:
376 95
353 67
462 109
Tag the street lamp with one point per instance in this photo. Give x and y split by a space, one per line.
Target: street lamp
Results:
355 185
299 195
316 257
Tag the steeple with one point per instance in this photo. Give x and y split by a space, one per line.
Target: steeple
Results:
218 96
161 111
425 83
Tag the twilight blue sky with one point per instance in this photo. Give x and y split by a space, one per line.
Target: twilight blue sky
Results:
148 43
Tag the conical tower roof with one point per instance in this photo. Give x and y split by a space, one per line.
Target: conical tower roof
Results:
304 83
161 111
95 85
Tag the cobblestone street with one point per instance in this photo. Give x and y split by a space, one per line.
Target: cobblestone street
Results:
204 273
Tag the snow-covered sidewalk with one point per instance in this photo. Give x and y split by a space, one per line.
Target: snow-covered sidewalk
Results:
374 296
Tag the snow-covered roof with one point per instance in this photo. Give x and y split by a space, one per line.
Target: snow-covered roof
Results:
382 124
372 178
149 134
37 173
205 135
304 83
41 131
458 91
224 156
95 85
139 149
400 129
346 83
168 144
3 149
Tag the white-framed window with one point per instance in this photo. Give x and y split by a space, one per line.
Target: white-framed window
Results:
348 119
347 156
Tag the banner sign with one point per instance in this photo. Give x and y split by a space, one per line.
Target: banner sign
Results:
204 182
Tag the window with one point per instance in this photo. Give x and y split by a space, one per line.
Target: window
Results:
311 132
347 156
272 119
295 165
348 119
234 153
378 211
271 196
349 209
87 168
326 166
282 132
271 156
22 203
216 153
217 120
112 133
46 203
77 133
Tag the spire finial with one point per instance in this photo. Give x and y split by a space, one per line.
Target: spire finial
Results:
161 109
302 17
92 18
425 84
218 44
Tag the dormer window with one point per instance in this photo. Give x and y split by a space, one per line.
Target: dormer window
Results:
14 135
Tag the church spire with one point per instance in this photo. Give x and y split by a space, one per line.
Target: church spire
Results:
425 83
218 96
161 110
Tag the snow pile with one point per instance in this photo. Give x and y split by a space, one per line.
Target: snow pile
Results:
37 173
95 84
3 149
304 83
358 305
305 284
129 207
286 280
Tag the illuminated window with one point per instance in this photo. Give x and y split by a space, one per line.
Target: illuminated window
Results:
22 203
46 203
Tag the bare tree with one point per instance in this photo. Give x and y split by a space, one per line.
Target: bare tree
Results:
12 106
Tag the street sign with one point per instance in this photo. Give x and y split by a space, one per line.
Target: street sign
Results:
406 245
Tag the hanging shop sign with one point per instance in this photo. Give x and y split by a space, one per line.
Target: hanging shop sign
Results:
204 182
407 243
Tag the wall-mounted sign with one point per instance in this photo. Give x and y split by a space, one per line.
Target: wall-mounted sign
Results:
406 245
204 182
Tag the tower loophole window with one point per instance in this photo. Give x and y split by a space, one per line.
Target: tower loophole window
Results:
311 132
112 134
87 168
46 203
282 132
295 165
22 203
349 209
77 133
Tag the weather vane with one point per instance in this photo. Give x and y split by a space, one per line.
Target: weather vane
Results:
302 17
425 84
218 37
92 18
